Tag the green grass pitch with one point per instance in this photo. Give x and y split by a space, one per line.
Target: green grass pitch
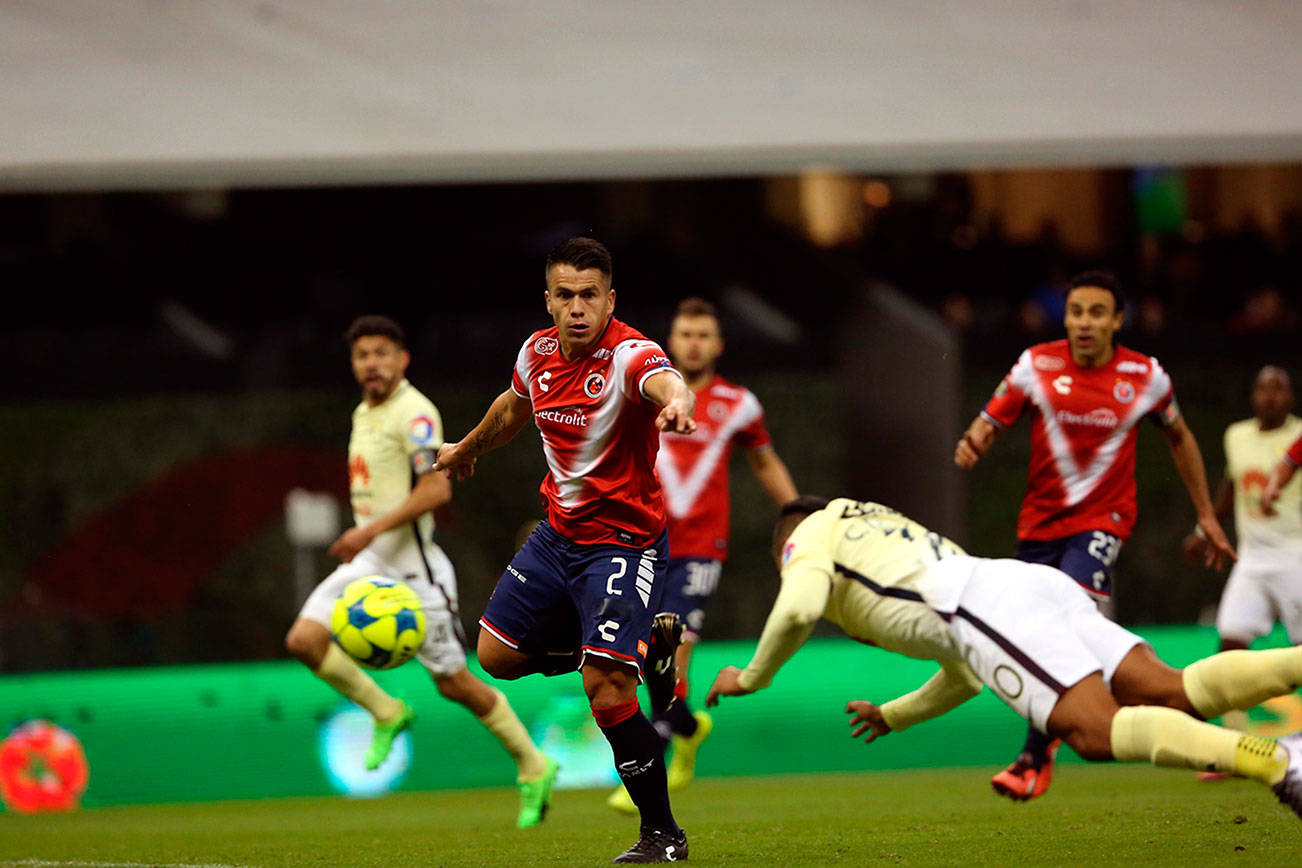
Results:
1094 815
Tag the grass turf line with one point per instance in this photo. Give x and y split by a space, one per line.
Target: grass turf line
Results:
1093 814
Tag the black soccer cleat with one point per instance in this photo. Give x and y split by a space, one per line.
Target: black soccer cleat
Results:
656 846
661 673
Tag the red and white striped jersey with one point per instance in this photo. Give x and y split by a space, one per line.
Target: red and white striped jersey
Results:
1083 432
693 468
598 432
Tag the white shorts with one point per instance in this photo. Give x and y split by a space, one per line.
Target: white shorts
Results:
1029 632
433 580
1256 596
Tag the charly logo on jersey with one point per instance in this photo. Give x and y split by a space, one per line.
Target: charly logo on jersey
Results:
420 429
1123 391
1049 364
1129 367
786 552
1101 417
593 384
545 346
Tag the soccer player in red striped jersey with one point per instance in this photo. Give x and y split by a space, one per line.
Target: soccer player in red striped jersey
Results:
693 469
583 590
1085 395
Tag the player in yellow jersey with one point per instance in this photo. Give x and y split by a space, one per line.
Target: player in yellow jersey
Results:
396 435
1265 585
1026 631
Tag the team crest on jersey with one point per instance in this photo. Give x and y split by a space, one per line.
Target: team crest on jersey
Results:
786 552
1048 364
545 346
1123 391
593 384
718 411
421 429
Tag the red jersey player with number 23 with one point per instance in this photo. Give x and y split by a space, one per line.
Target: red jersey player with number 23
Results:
1086 396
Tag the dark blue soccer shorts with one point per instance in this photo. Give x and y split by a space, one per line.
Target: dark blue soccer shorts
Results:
558 596
689 582
1088 557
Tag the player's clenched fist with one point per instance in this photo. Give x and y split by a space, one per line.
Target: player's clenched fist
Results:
974 443
867 718
451 462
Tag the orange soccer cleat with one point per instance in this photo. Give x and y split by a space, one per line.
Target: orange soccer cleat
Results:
1026 778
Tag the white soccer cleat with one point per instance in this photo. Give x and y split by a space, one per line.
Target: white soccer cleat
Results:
1289 790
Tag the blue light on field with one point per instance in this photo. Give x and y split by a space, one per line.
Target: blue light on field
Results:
343 740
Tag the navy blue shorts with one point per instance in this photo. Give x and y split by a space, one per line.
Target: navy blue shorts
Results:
688 586
1088 557
558 596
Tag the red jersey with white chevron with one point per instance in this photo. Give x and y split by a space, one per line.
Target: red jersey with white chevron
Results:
693 468
598 432
1083 432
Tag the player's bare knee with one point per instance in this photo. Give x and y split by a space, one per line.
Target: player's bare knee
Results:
305 646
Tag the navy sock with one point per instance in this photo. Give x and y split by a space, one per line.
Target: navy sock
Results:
1037 744
639 760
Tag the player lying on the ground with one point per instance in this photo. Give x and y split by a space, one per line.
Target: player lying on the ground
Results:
1026 631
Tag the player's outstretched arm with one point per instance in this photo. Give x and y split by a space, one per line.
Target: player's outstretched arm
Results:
677 402
975 443
431 491
1189 462
1279 477
772 474
504 419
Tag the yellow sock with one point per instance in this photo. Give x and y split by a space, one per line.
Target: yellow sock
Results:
343 674
1242 679
502 722
1172 739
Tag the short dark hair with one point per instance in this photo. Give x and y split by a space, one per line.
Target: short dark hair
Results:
582 253
805 504
1103 279
792 513
375 324
695 306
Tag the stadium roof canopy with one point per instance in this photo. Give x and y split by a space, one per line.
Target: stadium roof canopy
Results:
158 94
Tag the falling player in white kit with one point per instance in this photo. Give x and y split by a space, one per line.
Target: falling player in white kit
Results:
391 455
1027 631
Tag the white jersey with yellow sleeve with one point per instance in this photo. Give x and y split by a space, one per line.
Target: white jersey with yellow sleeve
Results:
1250 456
1025 630
391 445
866 568
1265 584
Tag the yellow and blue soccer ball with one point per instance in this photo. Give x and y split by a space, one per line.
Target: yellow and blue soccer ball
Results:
378 622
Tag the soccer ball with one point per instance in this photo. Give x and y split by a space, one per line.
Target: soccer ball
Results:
378 622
